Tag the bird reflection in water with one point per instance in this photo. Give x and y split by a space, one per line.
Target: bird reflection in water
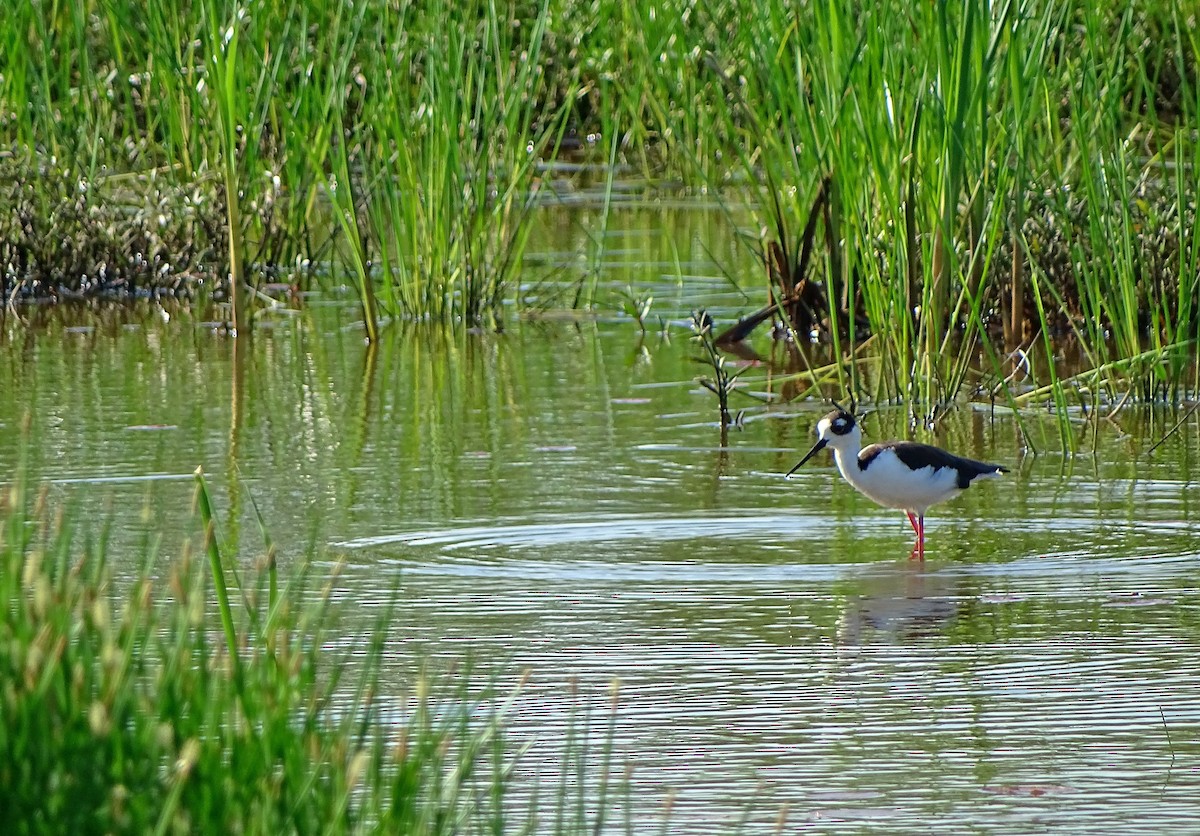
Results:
897 603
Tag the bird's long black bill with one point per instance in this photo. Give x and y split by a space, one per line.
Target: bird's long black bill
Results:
818 447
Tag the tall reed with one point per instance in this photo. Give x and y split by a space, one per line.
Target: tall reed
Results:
448 144
224 37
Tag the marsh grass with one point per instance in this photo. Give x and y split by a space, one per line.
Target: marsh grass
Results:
131 706
998 176
993 174
438 113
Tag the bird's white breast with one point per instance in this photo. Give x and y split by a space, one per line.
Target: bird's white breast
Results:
891 483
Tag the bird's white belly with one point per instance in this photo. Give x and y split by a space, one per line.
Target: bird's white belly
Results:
891 483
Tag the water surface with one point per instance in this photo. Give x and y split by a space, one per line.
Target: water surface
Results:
555 499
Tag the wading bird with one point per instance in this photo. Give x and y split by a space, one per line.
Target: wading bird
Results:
897 474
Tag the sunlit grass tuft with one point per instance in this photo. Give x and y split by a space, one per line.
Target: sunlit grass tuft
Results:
131 706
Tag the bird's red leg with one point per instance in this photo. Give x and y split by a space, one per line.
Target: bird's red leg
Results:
916 549
921 536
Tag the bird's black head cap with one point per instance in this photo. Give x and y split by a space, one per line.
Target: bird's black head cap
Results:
841 421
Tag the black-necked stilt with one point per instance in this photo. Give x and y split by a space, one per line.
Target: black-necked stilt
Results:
897 474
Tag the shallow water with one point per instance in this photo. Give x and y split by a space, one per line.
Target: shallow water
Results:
555 499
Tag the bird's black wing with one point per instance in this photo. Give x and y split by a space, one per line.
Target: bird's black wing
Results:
916 455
